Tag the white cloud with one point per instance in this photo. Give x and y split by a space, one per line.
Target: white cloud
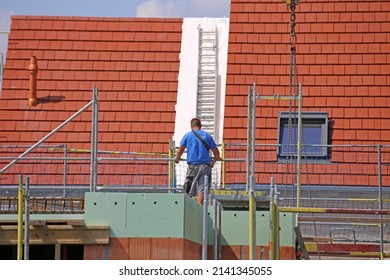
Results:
159 8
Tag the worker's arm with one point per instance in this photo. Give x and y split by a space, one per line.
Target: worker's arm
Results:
180 151
215 151
216 156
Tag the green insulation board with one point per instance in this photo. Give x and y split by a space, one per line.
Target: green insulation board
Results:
146 215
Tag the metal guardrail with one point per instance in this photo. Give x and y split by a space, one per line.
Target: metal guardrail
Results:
44 205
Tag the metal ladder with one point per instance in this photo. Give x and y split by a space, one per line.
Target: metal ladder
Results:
207 79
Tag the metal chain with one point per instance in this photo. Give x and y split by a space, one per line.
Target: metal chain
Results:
292 104
310 196
294 90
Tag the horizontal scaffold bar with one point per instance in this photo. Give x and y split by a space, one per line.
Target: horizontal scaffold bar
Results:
351 220
279 97
334 210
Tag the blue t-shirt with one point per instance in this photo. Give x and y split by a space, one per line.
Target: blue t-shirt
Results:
196 151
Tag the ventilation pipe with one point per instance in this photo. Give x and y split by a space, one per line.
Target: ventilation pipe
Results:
33 68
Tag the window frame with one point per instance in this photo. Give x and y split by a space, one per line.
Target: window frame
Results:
312 119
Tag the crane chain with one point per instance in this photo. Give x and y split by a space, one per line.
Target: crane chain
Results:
294 88
294 91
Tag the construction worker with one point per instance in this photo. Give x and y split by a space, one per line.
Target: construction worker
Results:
198 143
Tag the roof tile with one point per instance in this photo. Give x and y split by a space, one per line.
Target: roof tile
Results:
334 51
82 46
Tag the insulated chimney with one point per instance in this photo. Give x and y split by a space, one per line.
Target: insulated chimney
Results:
33 68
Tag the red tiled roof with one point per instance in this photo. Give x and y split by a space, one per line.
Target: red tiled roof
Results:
343 58
134 62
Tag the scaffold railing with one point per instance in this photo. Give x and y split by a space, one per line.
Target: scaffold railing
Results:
44 205
352 177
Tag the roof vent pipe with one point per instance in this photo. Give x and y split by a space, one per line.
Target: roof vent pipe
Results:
33 68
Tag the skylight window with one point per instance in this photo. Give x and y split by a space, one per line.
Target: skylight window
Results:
314 137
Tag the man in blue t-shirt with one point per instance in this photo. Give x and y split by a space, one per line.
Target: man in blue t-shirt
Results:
198 158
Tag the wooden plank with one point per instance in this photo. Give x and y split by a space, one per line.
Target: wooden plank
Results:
57 234
45 219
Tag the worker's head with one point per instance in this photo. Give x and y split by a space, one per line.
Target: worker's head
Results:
195 122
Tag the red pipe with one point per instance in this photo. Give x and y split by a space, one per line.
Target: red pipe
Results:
33 68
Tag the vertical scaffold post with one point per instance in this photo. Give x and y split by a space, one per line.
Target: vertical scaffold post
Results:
171 165
251 170
253 132
65 147
205 219
274 222
252 220
27 220
277 223
299 147
20 219
170 155
249 138
380 199
223 166
217 229
94 139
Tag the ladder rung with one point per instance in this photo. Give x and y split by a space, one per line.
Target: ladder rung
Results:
207 92
206 102
207 74
207 110
206 86
203 77
206 95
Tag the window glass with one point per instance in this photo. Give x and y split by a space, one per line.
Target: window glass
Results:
315 134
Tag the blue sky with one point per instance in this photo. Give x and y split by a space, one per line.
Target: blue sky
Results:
109 8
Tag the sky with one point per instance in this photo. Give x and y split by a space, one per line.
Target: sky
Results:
110 8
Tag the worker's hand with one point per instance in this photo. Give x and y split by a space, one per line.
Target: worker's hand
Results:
214 160
177 160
